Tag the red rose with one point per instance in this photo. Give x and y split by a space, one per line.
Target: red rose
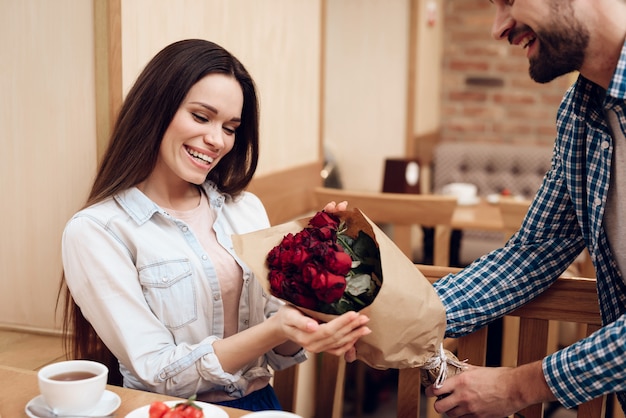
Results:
329 287
338 262
324 219
309 268
276 279
305 301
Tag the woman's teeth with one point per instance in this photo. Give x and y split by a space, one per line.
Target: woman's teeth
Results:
202 157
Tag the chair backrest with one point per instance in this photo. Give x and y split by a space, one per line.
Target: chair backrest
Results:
554 304
402 211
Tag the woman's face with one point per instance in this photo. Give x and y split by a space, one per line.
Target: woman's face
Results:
202 130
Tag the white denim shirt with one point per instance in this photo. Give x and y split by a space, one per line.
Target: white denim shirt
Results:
150 291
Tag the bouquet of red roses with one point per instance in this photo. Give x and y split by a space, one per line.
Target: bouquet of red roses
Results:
314 263
325 267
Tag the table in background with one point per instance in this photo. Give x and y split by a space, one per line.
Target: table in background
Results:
19 386
481 216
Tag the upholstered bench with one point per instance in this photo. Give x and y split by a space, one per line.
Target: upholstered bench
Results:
492 168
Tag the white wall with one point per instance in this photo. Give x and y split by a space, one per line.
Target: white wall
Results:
366 87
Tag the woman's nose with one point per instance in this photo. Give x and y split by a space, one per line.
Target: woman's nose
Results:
502 23
213 137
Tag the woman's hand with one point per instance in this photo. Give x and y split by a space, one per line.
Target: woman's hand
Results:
335 337
335 207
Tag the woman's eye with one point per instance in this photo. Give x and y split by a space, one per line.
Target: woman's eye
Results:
199 118
229 131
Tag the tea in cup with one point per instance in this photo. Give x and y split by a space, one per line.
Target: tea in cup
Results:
73 386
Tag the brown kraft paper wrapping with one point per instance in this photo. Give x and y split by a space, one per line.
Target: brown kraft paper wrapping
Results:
407 318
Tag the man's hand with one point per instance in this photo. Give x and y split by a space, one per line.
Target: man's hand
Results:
491 392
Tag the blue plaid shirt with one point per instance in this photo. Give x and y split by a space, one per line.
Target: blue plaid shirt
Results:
565 216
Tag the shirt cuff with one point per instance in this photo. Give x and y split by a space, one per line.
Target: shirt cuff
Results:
280 362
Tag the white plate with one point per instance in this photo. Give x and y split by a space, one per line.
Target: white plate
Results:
210 411
271 414
108 404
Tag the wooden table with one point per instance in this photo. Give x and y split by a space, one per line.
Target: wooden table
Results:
19 386
481 216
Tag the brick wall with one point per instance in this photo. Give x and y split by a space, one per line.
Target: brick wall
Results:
487 94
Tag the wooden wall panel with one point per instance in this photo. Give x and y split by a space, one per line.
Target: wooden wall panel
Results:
279 42
47 136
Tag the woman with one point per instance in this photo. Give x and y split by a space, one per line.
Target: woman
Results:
151 276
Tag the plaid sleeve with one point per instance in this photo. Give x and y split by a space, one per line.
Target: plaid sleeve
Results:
547 243
590 367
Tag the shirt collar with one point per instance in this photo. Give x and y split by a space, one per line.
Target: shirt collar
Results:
588 96
140 208
617 88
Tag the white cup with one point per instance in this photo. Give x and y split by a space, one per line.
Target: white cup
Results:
73 386
466 193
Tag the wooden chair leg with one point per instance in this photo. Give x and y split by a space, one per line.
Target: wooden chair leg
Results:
430 408
329 389
409 388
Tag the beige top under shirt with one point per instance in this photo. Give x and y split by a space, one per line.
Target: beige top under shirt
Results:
615 212
229 274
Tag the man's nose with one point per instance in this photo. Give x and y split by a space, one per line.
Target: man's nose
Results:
502 23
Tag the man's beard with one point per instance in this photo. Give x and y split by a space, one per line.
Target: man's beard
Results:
561 51
562 45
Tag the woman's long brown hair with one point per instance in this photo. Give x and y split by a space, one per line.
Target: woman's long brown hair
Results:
134 146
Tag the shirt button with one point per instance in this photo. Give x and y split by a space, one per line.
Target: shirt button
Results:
164 279
245 322
597 201
216 296
605 144
184 228
205 257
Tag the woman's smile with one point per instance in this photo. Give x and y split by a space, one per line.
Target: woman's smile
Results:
198 157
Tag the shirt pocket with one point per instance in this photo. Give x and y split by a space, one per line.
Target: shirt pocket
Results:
169 289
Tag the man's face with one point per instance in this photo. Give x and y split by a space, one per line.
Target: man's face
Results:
554 38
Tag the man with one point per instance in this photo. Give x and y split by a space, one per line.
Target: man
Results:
582 202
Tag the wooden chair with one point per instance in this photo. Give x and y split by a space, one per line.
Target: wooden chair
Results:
402 211
554 304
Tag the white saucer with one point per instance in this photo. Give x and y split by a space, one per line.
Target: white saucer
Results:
109 402
493 198
209 410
